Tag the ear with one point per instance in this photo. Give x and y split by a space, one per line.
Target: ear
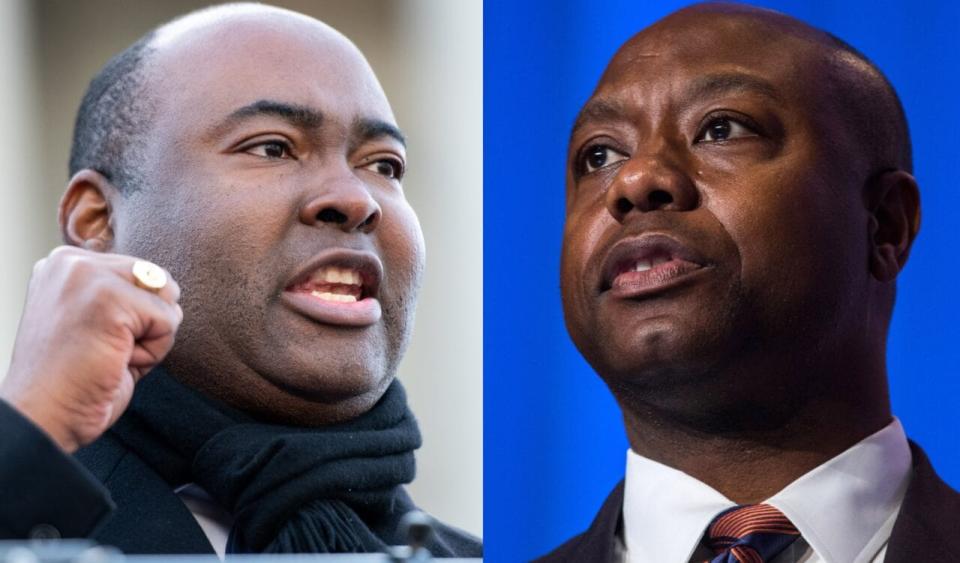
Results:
86 211
894 205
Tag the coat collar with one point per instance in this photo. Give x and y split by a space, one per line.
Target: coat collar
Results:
150 518
926 527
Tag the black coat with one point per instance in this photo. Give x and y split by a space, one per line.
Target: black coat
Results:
43 492
927 528
108 494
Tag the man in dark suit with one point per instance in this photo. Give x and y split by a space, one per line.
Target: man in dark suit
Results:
251 151
740 201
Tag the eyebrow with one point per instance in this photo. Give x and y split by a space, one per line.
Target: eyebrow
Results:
730 82
597 110
710 85
307 118
368 128
302 117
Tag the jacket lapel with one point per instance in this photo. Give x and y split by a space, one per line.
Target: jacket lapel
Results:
149 517
598 544
927 525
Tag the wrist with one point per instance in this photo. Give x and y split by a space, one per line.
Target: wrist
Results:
39 413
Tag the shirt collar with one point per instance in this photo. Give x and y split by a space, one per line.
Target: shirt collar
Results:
845 508
666 511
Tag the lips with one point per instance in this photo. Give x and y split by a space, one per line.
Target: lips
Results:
338 287
646 265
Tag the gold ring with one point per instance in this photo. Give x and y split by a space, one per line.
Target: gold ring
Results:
149 276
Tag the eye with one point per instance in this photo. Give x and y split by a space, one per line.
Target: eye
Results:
724 129
272 150
599 156
388 167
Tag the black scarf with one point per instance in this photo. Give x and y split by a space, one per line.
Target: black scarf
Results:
333 489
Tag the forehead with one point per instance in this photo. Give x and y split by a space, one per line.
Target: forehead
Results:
202 74
683 49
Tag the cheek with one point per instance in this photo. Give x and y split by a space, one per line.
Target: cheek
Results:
796 233
210 230
771 237
240 215
582 236
403 249
231 259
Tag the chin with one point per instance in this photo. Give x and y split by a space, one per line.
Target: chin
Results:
329 373
657 354
322 362
299 404
311 389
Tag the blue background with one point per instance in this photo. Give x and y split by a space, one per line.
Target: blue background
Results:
554 444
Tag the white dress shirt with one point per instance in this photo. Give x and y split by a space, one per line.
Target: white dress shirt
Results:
215 521
844 509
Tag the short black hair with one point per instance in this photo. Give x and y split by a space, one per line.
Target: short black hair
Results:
113 118
874 109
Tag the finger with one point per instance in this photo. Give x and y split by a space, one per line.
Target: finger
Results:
123 266
39 265
149 353
170 292
120 264
150 349
152 323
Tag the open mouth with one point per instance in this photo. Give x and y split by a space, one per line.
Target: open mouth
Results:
644 265
339 287
332 283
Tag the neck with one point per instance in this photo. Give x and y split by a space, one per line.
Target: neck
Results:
772 455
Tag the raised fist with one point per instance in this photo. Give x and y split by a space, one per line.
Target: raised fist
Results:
87 335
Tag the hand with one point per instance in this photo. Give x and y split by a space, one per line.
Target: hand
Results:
87 335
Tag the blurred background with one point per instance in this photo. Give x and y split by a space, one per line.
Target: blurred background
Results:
428 56
555 444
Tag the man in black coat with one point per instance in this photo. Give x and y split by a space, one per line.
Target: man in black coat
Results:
740 202
251 152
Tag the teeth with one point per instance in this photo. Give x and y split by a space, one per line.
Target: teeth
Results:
644 265
336 275
327 296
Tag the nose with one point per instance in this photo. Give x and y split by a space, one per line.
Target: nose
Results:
650 183
344 203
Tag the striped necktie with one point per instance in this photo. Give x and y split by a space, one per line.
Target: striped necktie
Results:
751 533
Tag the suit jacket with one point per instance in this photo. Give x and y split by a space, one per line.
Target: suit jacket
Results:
43 492
109 494
927 528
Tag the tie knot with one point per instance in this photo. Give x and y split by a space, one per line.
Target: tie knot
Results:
753 532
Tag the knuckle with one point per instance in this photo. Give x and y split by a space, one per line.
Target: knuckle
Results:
175 291
63 253
175 319
60 251
83 269
102 292
39 265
